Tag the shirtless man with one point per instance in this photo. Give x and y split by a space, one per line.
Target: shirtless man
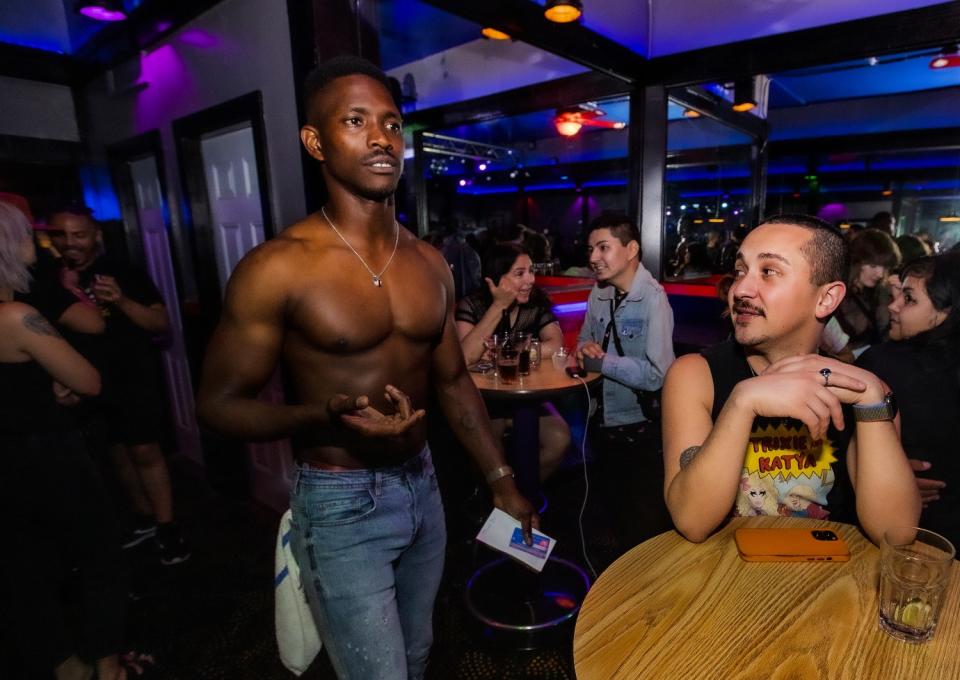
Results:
765 409
361 314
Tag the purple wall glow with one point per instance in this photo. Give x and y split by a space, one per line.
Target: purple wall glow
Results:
833 212
196 37
98 13
169 85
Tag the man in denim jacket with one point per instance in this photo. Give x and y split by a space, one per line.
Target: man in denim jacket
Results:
627 335
642 322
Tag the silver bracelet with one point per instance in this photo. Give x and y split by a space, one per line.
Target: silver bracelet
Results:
499 473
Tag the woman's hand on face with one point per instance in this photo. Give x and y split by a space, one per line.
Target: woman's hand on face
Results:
503 294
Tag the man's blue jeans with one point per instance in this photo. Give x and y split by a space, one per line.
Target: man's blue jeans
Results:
370 546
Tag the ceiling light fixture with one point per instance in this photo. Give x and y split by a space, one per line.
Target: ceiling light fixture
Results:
950 218
569 121
691 113
494 34
568 128
101 10
563 11
949 57
744 96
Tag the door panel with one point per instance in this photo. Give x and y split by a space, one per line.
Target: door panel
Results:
159 263
233 192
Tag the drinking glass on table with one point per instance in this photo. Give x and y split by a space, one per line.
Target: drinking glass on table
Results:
521 343
535 349
488 362
508 363
560 358
914 572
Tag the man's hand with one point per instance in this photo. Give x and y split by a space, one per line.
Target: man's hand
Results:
504 294
591 350
929 488
357 414
794 388
106 289
508 498
841 374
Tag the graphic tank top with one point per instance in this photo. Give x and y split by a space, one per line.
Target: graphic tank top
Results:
785 471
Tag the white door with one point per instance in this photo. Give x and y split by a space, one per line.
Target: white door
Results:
233 192
156 248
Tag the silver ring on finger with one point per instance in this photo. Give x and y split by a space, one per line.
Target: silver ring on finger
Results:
825 372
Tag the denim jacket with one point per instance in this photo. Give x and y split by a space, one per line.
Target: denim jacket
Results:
645 324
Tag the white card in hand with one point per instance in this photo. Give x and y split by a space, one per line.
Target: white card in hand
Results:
502 532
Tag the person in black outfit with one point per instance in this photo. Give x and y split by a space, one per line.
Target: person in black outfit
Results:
128 360
510 302
70 310
921 363
54 514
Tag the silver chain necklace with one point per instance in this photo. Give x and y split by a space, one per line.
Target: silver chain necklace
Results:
377 278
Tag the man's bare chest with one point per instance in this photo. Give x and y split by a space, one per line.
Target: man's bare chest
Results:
338 309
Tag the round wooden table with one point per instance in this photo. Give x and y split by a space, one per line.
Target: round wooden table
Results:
674 609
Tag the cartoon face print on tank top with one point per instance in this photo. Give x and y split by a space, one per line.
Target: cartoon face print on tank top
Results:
785 471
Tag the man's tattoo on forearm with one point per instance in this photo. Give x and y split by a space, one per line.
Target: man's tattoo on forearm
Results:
688 455
37 324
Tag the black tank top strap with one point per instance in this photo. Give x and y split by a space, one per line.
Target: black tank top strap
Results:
728 366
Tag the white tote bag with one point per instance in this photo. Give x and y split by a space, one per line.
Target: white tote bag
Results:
297 636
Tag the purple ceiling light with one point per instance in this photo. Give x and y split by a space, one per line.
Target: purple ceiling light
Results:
101 10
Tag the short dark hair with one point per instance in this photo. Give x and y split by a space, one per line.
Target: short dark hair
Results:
74 208
872 246
619 225
339 67
826 251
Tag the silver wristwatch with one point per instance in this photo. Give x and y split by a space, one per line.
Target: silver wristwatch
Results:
884 410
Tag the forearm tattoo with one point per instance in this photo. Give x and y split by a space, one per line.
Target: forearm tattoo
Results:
35 323
688 455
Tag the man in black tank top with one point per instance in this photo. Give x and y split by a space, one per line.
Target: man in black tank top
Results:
761 424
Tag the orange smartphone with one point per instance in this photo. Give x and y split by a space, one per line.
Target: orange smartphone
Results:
791 545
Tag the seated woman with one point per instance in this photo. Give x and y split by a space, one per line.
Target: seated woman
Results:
54 511
921 363
510 302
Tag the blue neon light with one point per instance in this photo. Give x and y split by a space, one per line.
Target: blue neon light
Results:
510 189
708 194
570 308
851 166
551 187
98 193
786 169
36 44
682 174
478 191
915 163
604 183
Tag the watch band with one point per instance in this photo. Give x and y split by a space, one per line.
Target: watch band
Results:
870 413
499 473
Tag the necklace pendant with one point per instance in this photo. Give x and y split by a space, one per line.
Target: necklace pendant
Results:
377 282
